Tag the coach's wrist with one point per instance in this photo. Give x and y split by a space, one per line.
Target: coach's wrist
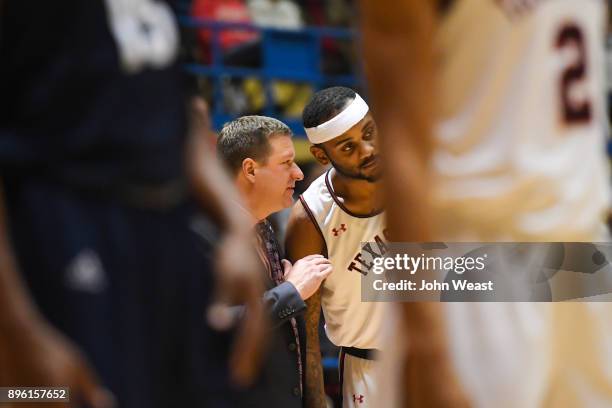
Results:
299 288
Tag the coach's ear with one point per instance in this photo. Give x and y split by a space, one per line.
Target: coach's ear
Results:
248 169
319 154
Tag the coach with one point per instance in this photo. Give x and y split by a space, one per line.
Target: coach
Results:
259 153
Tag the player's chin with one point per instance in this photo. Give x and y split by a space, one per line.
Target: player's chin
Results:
372 175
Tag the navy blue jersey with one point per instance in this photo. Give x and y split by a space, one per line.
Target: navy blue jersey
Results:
91 94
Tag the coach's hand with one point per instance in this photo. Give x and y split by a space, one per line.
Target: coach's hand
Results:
36 354
307 274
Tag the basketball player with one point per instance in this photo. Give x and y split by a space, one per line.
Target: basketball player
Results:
340 210
517 155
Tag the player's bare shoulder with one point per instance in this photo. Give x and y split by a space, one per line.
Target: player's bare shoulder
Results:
303 236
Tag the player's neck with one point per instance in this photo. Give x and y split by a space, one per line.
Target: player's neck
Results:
361 197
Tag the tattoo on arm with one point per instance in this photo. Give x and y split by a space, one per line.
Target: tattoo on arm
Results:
314 396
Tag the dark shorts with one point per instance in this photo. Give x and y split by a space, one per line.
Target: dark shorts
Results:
129 286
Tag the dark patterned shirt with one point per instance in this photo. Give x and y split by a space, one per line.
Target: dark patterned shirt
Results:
270 255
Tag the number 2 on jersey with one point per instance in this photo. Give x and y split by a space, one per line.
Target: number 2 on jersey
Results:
574 110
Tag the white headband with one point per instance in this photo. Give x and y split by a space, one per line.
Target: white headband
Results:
340 123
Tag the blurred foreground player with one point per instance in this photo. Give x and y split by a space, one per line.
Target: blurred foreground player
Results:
259 154
518 155
98 263
338 212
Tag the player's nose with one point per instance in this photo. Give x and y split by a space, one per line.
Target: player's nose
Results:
367 149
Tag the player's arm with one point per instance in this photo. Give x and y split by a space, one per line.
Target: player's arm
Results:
399 63
398 51
215 193
303 239
238 278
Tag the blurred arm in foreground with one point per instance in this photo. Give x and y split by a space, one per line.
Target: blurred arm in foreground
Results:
399 64
239 269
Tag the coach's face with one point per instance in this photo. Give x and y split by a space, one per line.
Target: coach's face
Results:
276 176
353 154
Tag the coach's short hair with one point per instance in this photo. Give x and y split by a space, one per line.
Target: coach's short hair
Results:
326 104
247 137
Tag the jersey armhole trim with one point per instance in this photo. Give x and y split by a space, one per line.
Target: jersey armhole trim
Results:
314 221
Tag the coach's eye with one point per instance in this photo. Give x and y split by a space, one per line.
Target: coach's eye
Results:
347 147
